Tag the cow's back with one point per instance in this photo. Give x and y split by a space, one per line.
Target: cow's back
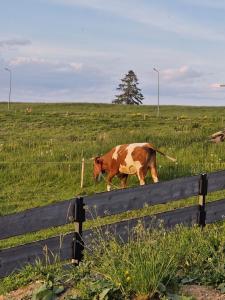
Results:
129 158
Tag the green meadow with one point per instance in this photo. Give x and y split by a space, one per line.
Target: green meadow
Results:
41 151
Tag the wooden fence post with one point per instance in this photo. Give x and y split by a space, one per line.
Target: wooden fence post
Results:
79 218
82 174
203 186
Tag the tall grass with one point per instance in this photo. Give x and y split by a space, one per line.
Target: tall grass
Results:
153 260
139 265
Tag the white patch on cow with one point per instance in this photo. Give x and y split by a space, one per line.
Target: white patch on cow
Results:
129 159
131 167
115 153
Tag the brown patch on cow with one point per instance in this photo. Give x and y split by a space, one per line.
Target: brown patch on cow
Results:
139 154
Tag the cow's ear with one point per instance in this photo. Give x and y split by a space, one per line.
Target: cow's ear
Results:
98 160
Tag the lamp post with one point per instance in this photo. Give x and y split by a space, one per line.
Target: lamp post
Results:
10 85
154 69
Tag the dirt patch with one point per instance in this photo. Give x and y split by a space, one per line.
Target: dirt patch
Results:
22 293
196 291
26 292
202 292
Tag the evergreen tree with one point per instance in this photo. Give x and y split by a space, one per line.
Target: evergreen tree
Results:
130 93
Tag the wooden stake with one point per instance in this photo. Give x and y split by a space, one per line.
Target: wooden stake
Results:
82 174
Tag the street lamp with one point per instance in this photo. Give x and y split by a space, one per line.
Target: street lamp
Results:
154 69
10 85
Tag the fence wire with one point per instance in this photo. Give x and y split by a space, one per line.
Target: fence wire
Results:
45 162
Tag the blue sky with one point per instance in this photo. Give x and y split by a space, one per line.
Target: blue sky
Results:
78 50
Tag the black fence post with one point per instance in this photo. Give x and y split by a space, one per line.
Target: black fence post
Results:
203 187
79 218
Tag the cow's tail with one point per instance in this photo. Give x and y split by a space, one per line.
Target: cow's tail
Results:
167 156
160 152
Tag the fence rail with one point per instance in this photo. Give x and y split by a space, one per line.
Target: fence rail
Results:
38 218
49 249
109 203
69 246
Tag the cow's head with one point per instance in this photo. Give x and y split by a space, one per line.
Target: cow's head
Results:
98 170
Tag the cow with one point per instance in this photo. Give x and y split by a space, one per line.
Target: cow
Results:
128 159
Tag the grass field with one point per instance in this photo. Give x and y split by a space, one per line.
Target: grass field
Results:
41 152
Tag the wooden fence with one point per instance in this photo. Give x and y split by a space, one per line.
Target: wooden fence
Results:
69 246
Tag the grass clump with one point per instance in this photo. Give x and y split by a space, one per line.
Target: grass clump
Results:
140 266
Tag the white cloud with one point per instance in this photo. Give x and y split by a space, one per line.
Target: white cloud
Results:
76 66
58 66
17 61
182 73
14 42
38 49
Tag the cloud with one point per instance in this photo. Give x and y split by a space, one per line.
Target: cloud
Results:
43 79
218 4
14 42
57 51
216 85
76 66
56 65
26 60
153 16
182 73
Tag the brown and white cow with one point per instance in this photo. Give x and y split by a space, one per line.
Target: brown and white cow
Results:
128 159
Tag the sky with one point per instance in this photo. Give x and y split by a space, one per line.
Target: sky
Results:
79 50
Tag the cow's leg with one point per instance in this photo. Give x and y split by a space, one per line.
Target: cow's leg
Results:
109 181
154 174
153 168
141 173
123 180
